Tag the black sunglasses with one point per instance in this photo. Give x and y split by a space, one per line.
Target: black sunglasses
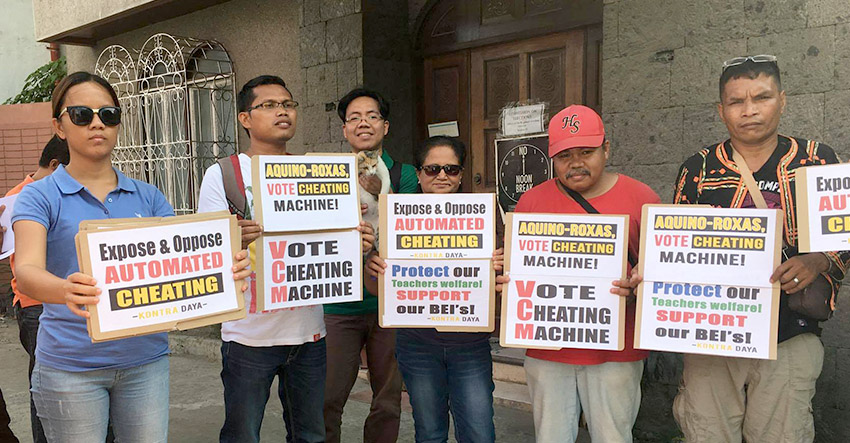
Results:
432 170
83 115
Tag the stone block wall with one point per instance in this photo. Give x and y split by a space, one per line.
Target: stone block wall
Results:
661 64
336 57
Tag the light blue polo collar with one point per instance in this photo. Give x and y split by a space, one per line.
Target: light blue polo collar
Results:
70 185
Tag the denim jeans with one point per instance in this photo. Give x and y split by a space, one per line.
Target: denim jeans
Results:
247 374
440 379
75 407
28 328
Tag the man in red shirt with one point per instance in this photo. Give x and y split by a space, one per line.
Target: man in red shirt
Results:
27 310
603 384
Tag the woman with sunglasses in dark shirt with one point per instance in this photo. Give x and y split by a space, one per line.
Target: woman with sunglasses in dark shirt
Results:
444 371
79 386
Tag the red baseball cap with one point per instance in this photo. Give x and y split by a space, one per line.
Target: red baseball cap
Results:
576 126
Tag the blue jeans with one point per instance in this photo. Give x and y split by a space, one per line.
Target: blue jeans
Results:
77 406
440 379
28 329
247 374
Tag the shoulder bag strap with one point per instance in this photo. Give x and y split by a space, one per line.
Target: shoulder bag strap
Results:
234 186
749 181
591 210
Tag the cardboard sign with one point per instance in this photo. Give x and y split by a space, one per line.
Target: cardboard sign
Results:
823 214
706 287
449 295
160 274
561 268
6 220
437 226
305 193
303 269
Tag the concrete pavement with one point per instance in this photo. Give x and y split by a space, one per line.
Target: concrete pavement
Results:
197 409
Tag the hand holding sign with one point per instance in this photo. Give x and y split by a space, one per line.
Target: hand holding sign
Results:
626 287
251 230
80 291
800 271
367 236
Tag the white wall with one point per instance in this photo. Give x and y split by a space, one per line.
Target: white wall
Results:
19 52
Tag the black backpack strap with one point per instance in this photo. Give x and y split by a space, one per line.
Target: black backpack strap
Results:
591 210
234 187
395 176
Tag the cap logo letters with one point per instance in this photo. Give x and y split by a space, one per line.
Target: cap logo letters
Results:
573 122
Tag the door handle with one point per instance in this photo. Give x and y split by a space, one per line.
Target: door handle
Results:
477 178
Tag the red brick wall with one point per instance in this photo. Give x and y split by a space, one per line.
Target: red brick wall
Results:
24 130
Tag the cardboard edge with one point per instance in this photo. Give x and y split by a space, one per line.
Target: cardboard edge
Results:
803 215
644 218
256 182
777 260
383 207
506 270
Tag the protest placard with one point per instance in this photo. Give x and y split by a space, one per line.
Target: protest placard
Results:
449 295
437 226
295 193
302 269
6 221
160 274
561 268
823 215
706 280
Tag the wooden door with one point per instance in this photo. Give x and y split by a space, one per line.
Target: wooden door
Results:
446 96
550 69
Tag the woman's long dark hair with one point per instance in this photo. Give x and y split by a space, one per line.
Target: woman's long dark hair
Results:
74 79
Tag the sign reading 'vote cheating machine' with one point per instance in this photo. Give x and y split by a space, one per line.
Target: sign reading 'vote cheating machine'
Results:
561 268
438 249
160 274
706 281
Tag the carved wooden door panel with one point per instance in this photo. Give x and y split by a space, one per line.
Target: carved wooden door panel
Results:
549 69
446 95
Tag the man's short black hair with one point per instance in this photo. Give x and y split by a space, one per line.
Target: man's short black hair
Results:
246 95
383 105
56 148
751 70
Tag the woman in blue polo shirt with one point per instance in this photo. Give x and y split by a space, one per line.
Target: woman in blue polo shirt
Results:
445 371
77 385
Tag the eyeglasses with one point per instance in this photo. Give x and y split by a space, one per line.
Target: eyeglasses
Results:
433 170
763 58
83 115
269 105
371 119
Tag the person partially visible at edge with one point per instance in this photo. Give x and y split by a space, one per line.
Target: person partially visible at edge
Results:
285 343
730 399
605 385
351 326
79 386
27 310
6 434
444 371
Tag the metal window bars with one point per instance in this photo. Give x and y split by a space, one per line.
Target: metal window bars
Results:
178 101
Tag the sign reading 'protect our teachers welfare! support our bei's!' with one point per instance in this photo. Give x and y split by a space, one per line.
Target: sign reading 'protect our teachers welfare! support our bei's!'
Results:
706 281
294 193
561 268
438 249
160 274
823 208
